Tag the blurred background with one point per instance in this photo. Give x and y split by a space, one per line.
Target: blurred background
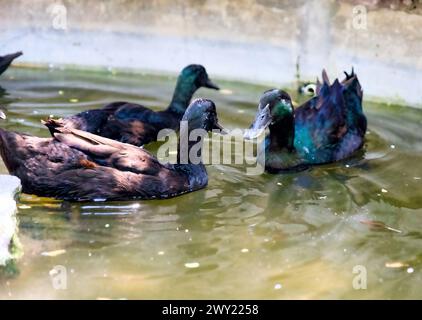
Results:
264 41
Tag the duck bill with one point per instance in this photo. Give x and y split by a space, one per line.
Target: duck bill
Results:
211 85
2 115
261 122
220 128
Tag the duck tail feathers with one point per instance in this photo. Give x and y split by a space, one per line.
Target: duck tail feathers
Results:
349 76
54 125
318 86
325 78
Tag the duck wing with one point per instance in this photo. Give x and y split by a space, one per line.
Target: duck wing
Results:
37 161
49 167
131 131
122 121
121 110
91 120
115 170
137 125
106 152
104 183
6 60
132 111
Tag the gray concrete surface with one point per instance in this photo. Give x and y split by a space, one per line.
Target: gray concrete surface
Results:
249 40
9 187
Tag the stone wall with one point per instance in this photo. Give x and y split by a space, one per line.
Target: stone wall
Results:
252 40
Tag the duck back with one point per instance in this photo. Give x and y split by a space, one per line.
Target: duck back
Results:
331 126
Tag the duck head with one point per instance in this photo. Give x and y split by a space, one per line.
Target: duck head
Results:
191 78
200 117
202 114
196 76
275 108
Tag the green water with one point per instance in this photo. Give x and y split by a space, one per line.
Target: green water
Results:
268 236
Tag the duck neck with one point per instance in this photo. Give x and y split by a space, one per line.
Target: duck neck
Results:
282 135
189 158
181 97
190 143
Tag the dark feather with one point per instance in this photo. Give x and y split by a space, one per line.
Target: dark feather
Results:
78 165
135 124
327 128
6 60
75 166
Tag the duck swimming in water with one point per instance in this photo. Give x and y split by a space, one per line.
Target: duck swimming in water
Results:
6 60
135 124
76 165
329 127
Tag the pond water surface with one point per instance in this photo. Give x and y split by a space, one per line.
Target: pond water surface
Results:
298 235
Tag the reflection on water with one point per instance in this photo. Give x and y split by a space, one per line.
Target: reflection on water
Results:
269 236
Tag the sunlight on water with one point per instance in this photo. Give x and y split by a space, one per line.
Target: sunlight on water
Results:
269 236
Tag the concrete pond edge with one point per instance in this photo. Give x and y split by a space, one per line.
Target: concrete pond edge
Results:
10 250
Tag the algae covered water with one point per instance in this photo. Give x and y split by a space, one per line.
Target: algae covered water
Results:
314 234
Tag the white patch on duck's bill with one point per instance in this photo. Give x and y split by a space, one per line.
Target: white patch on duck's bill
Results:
306 149
260 106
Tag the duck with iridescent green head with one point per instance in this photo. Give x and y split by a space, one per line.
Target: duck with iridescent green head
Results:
136 124
329 127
